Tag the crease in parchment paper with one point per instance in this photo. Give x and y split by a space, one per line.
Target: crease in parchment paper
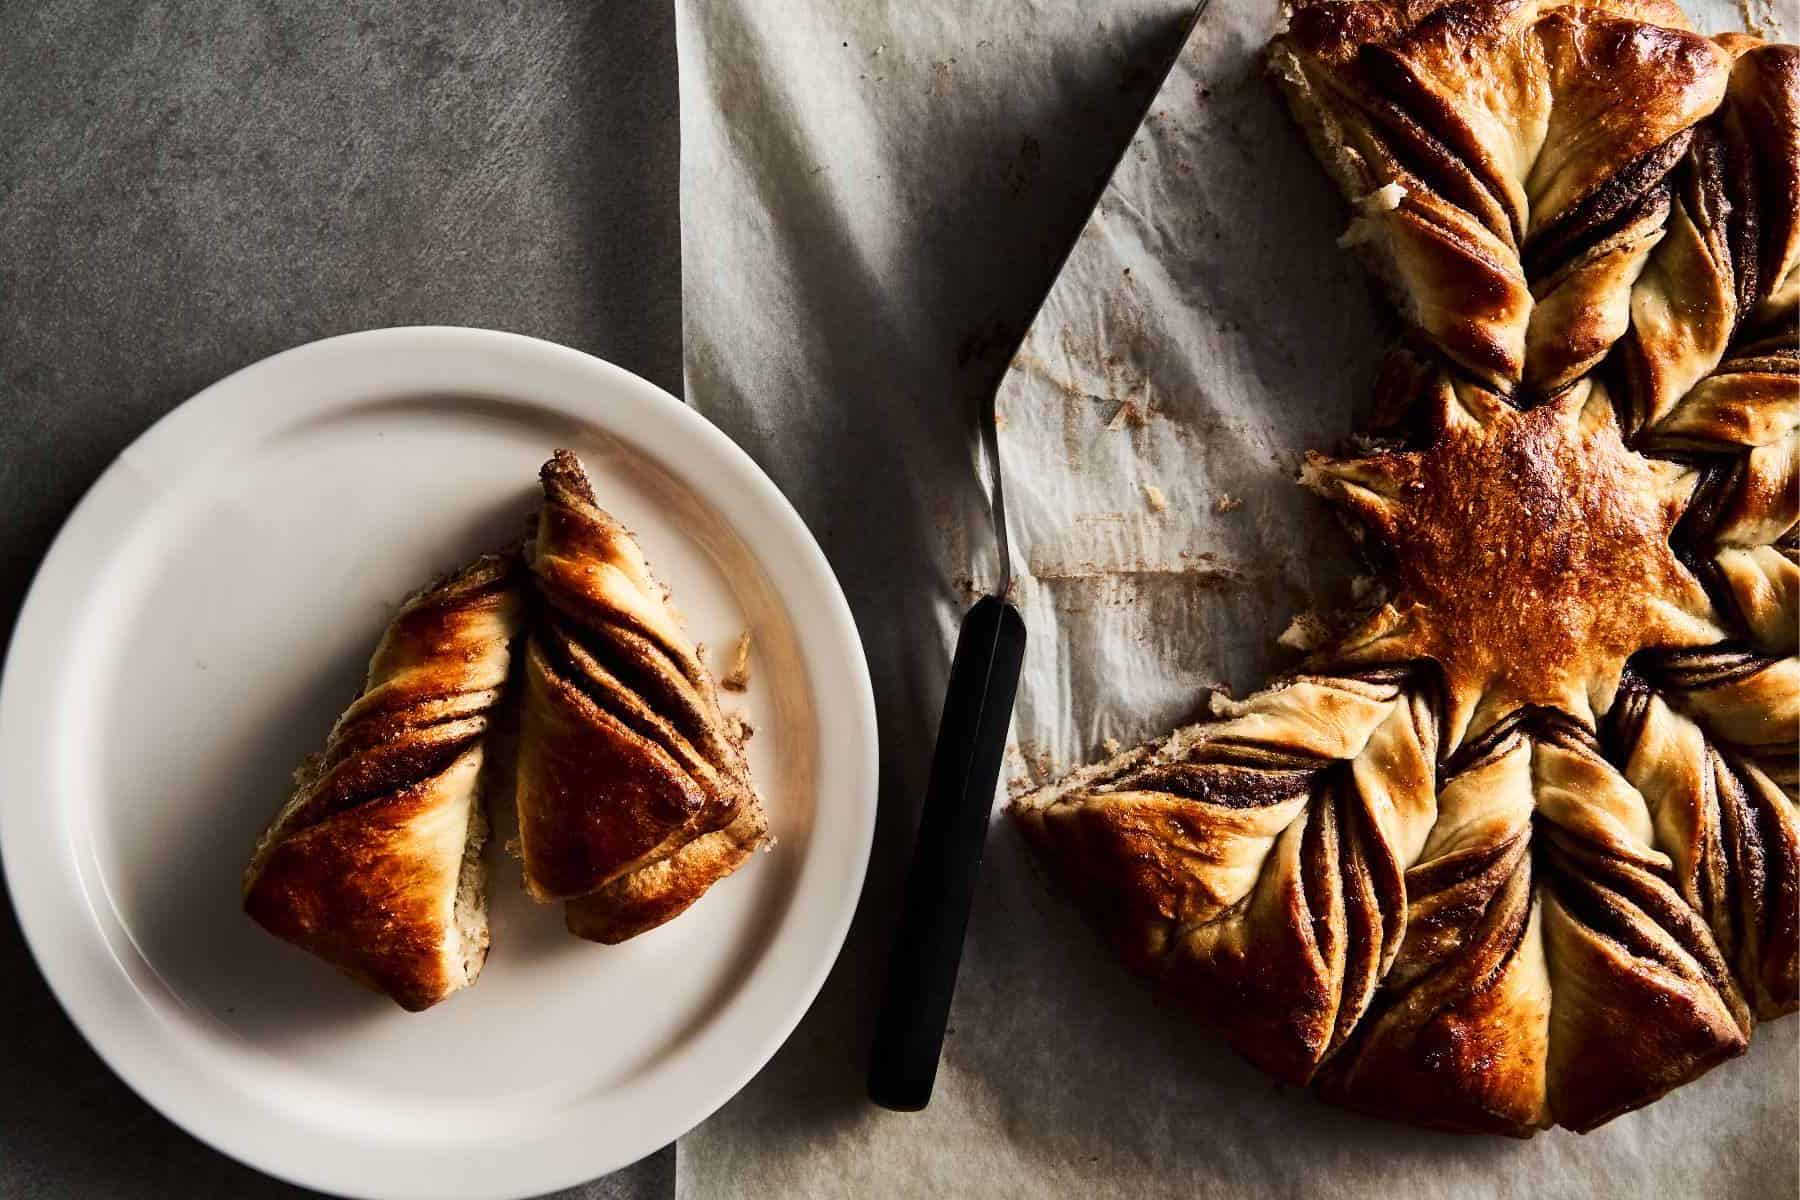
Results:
866 189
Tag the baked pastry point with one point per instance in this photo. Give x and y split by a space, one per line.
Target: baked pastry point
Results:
633 792
374 864
1507 161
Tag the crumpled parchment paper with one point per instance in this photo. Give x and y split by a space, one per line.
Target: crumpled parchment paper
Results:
870 196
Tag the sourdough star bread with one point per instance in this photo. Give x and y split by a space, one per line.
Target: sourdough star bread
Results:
1518 846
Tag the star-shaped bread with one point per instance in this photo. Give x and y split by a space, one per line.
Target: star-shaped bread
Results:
1520 845
1531 551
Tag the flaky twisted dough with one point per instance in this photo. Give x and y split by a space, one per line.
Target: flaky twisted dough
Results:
1711 362
1508 161
633 793
1490 944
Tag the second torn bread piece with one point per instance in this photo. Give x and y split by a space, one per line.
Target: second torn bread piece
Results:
634 795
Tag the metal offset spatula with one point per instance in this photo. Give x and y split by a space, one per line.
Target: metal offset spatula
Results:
965 770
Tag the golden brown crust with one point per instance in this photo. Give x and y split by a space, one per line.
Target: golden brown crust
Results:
1458 1040
1712 359
363 865
1732 837
1339 30
371 890
1253 864
1748 702
572 752
628 775
1761 129
665 889
1643 1001
1531 554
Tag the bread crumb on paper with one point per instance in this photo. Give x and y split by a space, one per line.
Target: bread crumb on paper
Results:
1153 496
1759 18
1129 414
1018 772
1306 632
1228 503
1110 745
1038 762
737 675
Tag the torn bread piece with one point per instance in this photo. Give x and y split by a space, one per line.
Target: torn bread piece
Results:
374 863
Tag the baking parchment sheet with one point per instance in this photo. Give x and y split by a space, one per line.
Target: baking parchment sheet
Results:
870 193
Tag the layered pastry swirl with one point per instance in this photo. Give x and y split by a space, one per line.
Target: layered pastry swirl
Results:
1519 846
633 794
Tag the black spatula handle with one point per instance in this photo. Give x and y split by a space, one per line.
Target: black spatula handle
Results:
940 885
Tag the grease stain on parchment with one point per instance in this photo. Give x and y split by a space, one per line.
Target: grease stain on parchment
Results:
1098 369
1017 174
1086 585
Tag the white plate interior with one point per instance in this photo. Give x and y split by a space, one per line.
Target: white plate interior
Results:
244 580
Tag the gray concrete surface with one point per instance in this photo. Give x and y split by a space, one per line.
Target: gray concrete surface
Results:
188 187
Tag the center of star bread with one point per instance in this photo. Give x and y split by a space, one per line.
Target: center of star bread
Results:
1531 551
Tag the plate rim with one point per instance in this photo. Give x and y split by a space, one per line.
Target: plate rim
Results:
36 881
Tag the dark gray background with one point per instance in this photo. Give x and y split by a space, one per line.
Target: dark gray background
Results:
188 187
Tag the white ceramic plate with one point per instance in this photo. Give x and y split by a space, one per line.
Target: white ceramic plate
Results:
199 622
